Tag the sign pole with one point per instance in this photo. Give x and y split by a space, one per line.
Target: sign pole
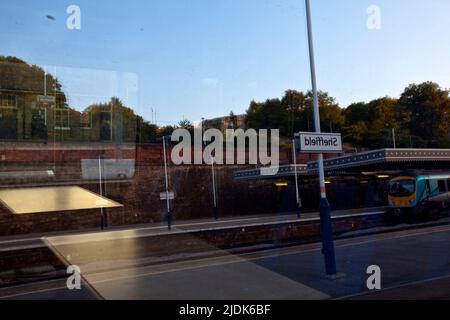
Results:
214 188
100 182
297 193
45 81
325 210
393 138
169 218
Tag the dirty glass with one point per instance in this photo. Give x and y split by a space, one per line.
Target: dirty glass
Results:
224 150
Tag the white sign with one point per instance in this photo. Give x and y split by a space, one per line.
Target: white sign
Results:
163 195
112 169
319 142
46 99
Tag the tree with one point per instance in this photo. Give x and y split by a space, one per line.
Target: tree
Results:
429 108
331 115
267 115
294 113
370 124
356 133
148 132
294 104
254 118
16 74
233 120
186 124
357 112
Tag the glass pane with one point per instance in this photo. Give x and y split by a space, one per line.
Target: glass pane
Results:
224 149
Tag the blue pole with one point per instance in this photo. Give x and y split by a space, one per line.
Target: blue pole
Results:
326 226
326 231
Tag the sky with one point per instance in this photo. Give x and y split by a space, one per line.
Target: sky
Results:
188 59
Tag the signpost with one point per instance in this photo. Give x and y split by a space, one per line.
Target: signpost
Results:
297 192
46 101
167 196
214 188
166 176
85 118
326 226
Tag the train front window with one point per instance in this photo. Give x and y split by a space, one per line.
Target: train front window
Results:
402 188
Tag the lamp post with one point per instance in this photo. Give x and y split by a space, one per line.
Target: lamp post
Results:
393 138
297 193
215 212
203 131
100 183
169 215
325 210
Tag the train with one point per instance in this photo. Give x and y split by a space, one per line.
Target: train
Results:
419 195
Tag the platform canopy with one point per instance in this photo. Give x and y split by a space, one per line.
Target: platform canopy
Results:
387 160
284 171
383 160
53 199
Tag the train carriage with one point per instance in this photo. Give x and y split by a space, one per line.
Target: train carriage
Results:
419 195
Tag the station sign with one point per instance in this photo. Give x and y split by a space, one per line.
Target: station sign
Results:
308 142
46 101
164 195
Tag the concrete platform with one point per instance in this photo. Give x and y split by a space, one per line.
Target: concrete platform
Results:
409 260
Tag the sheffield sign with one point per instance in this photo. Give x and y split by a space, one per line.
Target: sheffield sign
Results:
308 142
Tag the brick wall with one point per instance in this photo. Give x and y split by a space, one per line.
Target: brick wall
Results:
68 152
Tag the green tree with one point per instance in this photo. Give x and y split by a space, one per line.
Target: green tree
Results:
16 74
166 131
294 113
294 105
356 133
254 118
148 132
378 117
267 115
428 107
233 120
186 124
331 115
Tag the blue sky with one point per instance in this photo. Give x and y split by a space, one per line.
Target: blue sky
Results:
204 58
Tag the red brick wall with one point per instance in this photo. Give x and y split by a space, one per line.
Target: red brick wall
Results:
145 154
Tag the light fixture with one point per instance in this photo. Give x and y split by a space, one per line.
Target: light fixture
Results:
282 184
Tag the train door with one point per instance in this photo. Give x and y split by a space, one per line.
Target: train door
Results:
442 186
448 190
444 192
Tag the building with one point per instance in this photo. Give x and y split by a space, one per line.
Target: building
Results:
227 122
33 107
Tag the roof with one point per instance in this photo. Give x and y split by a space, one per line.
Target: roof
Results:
53 199
387 159
377 160
284 171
